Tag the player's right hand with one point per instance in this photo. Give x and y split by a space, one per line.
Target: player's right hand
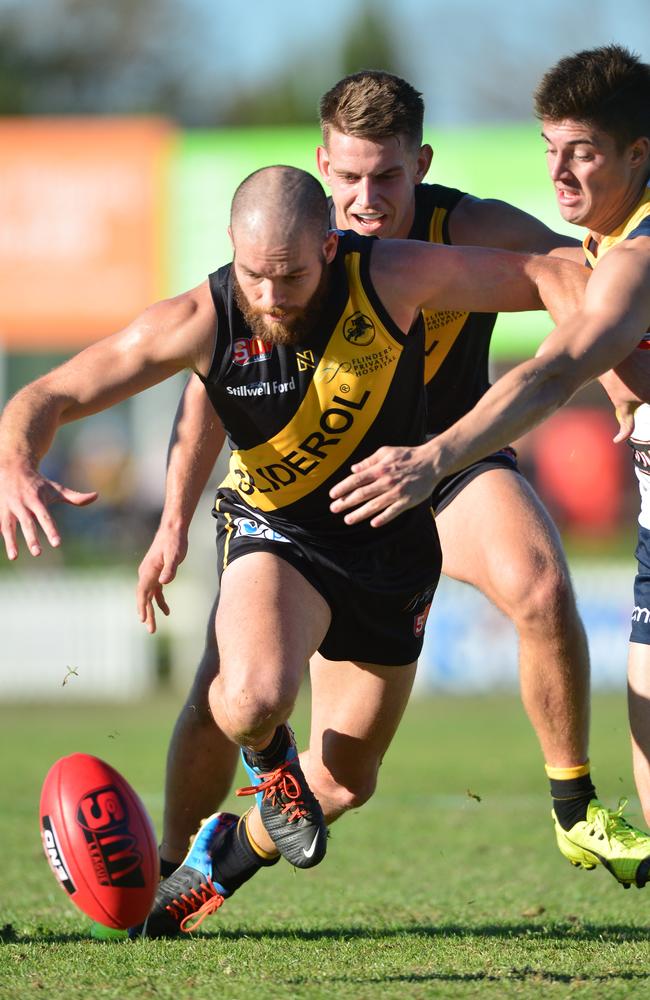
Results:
25 496
164 556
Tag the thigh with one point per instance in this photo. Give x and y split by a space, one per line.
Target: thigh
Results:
380 595
356 709
497 535
270 619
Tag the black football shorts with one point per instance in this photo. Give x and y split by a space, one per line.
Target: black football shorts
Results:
379 592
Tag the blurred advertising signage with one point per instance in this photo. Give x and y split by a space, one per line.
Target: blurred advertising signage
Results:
82 202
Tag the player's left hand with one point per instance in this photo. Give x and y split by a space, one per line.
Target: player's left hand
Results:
624 401
625 415
384 485
158 568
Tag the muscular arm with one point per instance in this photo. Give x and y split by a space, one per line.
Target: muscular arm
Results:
167 337
597 337
487 222
197 438
492 223
409 276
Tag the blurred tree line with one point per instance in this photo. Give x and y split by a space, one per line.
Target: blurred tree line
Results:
81 57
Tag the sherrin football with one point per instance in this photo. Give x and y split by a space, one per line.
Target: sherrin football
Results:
99 840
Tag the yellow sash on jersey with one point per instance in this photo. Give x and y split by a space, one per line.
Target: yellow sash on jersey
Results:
440 328
344 398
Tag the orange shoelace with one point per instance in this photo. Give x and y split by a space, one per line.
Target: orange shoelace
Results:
282 786
186 906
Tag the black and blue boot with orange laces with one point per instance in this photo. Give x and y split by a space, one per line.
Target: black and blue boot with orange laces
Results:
290 811
190 894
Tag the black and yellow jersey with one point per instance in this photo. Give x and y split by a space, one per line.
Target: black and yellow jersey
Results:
297 417
456 344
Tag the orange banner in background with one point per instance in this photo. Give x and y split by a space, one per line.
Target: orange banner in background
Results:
81 227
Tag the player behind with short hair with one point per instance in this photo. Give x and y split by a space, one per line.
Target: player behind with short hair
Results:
595 113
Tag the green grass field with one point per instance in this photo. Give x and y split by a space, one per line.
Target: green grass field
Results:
447 884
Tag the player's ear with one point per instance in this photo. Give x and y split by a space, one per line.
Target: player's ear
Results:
423 162
323 163
640 151
329 248
232 242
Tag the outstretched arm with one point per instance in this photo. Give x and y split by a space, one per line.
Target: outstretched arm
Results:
197 438
166 338
409 276
597 337
488 222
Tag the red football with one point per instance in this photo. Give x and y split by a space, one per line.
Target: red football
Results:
99 840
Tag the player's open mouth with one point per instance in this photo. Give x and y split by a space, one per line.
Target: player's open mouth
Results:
370 220
567 196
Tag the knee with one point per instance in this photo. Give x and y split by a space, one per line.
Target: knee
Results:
247 711
348 788
540 595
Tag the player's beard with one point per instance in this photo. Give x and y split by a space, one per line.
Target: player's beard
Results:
289 329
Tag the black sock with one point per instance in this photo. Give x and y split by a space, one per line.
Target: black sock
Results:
274 754
571 796
236 860
167 868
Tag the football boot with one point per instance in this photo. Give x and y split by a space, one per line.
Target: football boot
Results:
290 811
606 838
189 895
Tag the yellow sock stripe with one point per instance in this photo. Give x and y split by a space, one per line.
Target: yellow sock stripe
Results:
266 855
566 773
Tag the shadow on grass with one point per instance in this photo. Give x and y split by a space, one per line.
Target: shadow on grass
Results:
524 975
561 931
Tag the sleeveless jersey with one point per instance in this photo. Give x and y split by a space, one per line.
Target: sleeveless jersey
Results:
456 343
297 417
636 224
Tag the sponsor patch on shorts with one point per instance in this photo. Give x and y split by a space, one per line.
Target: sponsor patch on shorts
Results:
246 527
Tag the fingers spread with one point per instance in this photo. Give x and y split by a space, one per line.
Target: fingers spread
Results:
74 497
9 537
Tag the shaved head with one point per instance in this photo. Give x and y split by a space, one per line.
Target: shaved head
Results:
280 200
279 227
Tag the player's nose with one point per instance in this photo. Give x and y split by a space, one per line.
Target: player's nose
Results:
366 192
271 296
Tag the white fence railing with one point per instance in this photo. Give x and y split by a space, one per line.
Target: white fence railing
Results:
66 635
75 635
